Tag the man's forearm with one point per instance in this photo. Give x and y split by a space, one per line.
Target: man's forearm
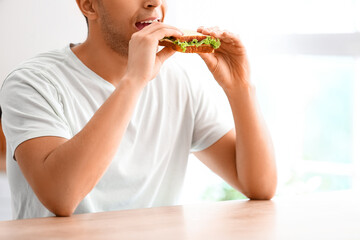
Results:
74 168
255 160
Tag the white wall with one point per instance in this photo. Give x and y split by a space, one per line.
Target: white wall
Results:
28 27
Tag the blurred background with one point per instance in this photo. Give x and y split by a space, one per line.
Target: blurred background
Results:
305 64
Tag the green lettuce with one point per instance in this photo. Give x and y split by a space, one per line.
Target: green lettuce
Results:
215 43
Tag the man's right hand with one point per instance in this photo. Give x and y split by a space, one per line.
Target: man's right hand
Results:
143 61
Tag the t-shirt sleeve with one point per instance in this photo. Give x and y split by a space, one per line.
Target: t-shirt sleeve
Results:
31 108
213 118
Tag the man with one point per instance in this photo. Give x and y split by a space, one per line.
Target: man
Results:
108 124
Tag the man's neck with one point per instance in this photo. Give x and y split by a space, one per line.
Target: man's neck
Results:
102 60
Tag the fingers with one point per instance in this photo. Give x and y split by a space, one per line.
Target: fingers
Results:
210 60
149 36
165 53
160 30
224 35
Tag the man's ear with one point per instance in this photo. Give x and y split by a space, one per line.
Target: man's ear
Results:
87 7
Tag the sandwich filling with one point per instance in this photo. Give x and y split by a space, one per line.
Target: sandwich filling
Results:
215 43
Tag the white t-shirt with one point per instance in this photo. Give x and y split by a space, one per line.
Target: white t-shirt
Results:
55 94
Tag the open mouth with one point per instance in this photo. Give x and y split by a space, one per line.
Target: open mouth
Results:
141 25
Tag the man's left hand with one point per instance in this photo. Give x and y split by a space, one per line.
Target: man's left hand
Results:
228 64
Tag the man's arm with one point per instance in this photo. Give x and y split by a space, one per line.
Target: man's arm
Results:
244 157
62 172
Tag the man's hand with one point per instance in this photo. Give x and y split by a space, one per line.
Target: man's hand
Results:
144 62
229 64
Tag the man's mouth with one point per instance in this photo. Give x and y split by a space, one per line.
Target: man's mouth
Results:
142 24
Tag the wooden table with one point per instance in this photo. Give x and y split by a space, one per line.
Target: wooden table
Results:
300 218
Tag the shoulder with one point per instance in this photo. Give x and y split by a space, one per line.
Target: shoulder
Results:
33 77
44 61
41 65
36 71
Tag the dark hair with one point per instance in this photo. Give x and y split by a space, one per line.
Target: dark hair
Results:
87 21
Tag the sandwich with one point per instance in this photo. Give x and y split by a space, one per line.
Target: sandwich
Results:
191 42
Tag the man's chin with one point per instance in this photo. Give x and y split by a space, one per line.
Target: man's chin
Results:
120 47
123 52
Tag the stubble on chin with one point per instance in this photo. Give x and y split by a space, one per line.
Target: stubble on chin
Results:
113 37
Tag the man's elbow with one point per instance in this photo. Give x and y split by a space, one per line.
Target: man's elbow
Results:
60 207
62 211
260 192
260 195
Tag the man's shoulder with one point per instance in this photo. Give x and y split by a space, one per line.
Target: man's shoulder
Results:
43 61
38 70
41 65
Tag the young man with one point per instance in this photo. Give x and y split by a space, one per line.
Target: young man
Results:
108 124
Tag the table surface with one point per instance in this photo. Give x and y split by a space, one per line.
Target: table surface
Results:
293 218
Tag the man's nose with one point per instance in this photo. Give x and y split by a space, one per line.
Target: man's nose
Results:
152 3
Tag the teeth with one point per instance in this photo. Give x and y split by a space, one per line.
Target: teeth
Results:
151 21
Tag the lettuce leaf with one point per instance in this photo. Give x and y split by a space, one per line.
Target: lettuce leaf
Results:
215 43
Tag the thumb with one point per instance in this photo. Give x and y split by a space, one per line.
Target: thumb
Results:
164 54
210 59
